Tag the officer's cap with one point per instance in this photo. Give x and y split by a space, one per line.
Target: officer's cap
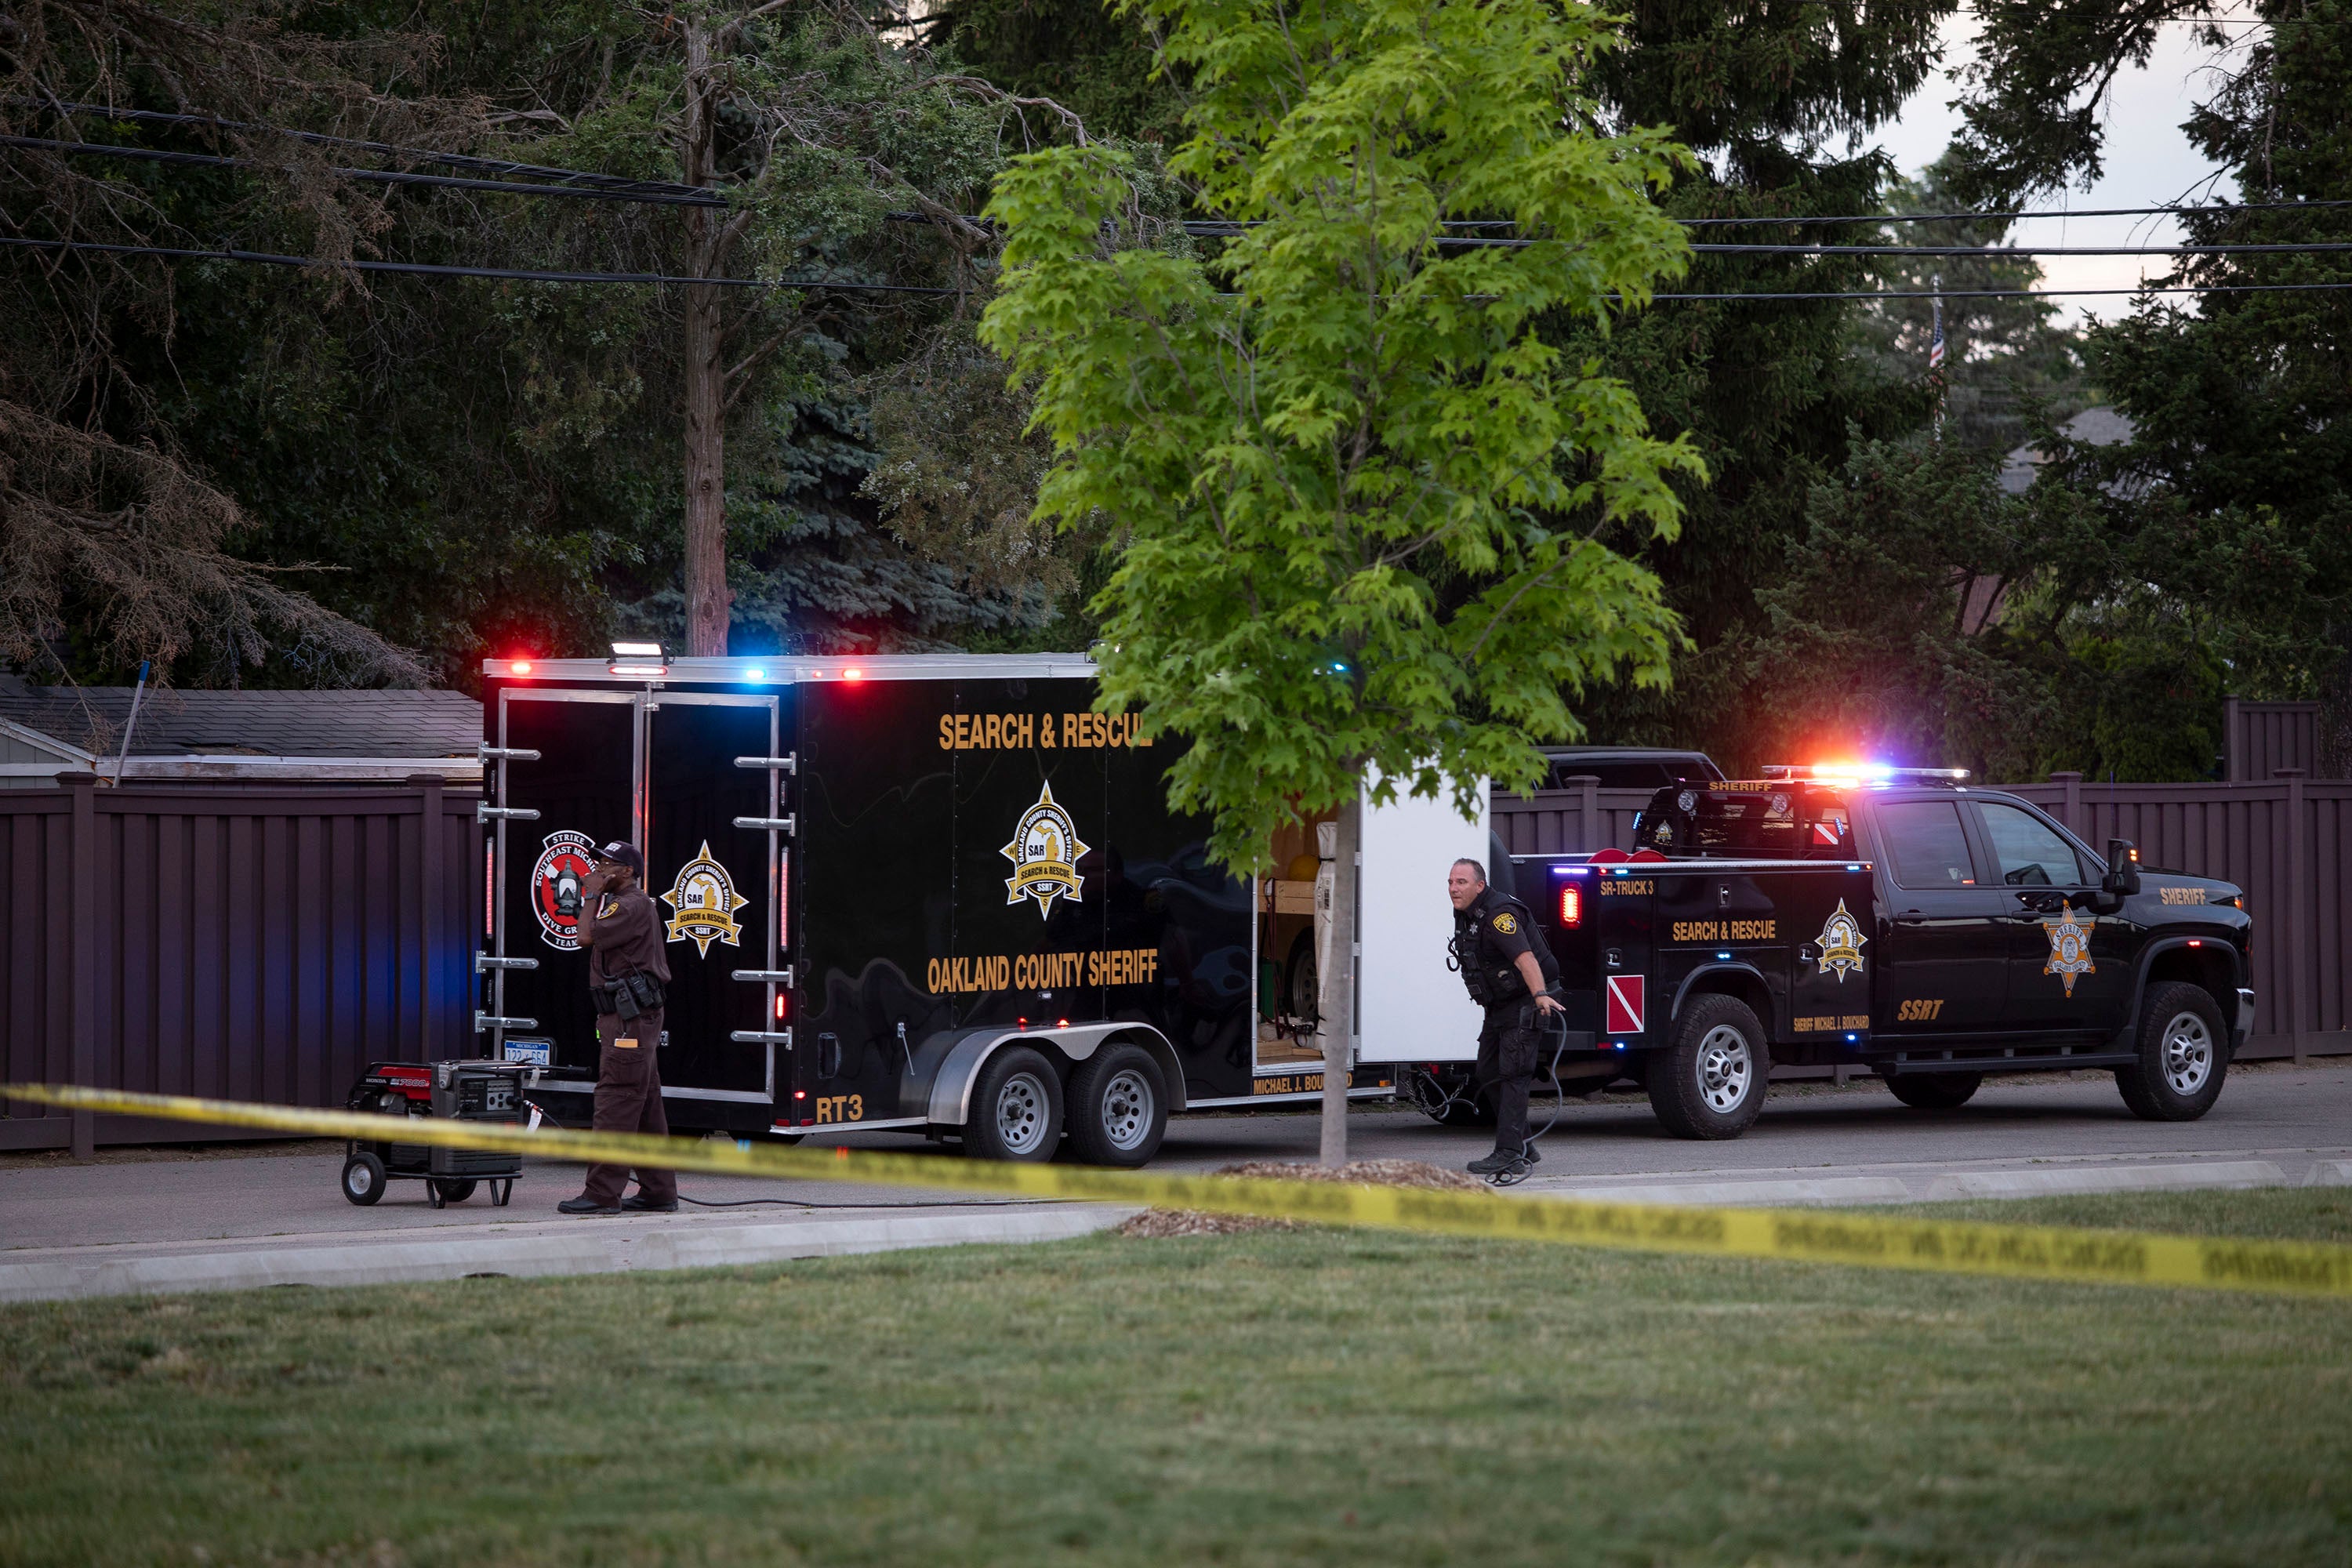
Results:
619 854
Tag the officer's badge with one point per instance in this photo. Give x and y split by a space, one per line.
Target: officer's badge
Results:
555 888
705 901
1840 942
1044 853
1506 922
2070 946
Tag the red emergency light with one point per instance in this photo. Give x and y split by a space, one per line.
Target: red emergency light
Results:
1572 905
518 667
782 1000
853 674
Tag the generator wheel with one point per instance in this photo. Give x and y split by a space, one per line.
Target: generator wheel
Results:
452 1190
363 1178
1017 1108
1118 1107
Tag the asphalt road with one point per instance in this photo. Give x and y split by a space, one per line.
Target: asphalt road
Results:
2293 1116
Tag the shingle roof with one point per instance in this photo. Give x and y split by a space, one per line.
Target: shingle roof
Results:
177 723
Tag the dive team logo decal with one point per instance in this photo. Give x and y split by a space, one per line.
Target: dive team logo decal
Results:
1841 940
1044 854
2070 946
705 901
1629 1003
555 888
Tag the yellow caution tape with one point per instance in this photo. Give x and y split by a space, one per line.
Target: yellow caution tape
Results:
1949 1246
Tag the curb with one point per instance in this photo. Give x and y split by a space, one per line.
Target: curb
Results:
412 1262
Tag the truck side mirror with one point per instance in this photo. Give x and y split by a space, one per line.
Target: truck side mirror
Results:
2123 868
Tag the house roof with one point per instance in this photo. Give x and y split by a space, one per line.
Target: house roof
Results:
184 723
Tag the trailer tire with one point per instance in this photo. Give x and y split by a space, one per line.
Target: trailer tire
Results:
363 1180
2184 1053
1710 1081
1118 1107
1017 1108
1934 1091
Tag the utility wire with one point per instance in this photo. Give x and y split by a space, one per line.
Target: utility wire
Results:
527 275
687 197
620 187
430 270
542 180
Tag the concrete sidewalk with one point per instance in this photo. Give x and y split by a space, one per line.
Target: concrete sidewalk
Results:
520 1249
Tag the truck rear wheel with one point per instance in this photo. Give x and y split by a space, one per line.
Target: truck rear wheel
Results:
1017 1108
2183 1053
1934 1090
1118 1107
1710 1081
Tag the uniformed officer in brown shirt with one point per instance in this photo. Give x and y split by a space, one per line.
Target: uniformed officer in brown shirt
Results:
622 932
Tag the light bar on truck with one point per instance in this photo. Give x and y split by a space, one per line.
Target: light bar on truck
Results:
1861 772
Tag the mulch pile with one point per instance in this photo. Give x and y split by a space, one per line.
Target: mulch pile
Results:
1363 1172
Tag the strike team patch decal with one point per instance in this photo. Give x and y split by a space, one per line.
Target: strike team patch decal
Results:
1044 853
555 888
2070 946
1840 942
705 901
1506 922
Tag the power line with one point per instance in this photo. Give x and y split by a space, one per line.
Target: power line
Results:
542 180
622 187
529 276
2025 293
378 176
434 269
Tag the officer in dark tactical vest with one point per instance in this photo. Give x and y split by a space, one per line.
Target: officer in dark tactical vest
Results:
621 930
1510 972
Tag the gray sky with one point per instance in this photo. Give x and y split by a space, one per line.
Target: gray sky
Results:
2148 162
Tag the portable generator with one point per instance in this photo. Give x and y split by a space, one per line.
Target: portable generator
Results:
467 1090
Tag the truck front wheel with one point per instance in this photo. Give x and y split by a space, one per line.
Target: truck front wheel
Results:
1710 1082
1017 1108
1118 1107
2183 1053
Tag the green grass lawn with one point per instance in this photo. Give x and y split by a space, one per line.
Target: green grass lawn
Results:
1342 1397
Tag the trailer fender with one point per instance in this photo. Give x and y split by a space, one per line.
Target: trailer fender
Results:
946 1065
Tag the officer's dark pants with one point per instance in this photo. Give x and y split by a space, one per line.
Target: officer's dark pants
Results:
1506 1066
629 1099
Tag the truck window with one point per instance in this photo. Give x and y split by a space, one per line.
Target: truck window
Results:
2029 854
1925 844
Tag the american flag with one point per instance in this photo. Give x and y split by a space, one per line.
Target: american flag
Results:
1936 341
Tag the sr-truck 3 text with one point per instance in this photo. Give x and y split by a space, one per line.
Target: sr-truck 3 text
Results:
1906 922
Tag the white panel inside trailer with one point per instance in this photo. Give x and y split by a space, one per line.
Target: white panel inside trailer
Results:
1410 1007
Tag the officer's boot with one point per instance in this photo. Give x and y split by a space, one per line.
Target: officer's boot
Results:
1501 1163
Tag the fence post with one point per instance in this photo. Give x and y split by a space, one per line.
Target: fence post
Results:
82 1043
1587 812
2070 812
2233 742
2300 933
429 787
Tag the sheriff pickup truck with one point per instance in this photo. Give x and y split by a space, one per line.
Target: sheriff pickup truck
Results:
1903 921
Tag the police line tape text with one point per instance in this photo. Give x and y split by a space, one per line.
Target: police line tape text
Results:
1035 732
1042 971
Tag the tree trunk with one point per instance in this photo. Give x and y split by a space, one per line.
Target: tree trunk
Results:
707 598
1338 977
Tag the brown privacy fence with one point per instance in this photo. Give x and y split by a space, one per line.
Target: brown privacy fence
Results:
248 942
2286 841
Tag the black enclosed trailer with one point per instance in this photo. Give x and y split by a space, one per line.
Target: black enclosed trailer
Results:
936 894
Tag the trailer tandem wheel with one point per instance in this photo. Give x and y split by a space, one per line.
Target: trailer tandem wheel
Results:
1119 1106
1017 1108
